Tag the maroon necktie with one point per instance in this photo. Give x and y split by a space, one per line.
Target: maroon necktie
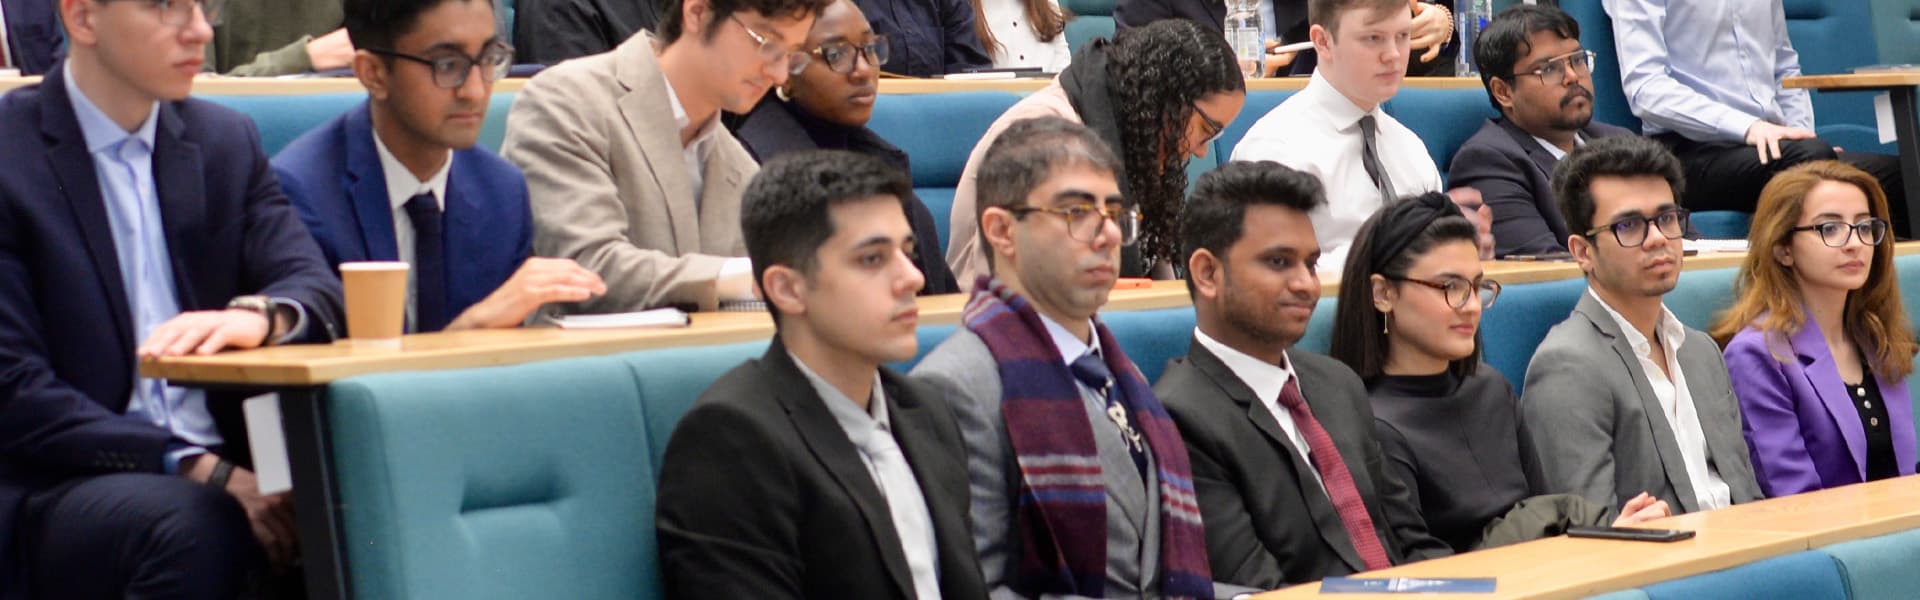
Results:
1336 478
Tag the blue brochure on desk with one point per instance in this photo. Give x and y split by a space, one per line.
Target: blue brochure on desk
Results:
1407 585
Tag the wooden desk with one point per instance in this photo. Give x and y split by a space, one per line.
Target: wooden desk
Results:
1900 89
270 86
1823 518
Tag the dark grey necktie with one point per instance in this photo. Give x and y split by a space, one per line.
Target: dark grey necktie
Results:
1370 158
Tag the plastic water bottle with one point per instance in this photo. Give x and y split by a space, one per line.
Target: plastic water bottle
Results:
1244 34
1469 17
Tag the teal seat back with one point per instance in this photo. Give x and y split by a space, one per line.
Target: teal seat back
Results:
1443 118
1088 19
1880 568
1151 338
285 117
938 132
1520 319
1701 296
1811 575
1596 34
667 381
1831 37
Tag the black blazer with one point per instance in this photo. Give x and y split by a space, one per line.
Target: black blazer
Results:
1268 523
763 496
67 336
1513 173
546 32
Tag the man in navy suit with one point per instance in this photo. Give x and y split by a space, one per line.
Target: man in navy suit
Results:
1541 80
135 222
29 36
399 178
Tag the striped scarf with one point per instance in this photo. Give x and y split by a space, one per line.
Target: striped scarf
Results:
1062 513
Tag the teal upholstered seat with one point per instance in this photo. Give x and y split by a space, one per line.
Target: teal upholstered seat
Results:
1799 576
1880 568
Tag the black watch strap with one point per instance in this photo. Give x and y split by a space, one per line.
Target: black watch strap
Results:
222 470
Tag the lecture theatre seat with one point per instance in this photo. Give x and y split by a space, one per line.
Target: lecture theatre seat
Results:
938 131
1810 575
283 118
1088 19
1880 568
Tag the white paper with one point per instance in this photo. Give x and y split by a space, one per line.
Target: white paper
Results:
269 443
1883 116
1715 245
659 317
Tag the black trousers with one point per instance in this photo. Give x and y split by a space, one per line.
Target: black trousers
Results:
1728 176
136 536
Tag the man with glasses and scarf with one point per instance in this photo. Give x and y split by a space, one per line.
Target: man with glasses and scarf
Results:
399 177
1621 397
629 169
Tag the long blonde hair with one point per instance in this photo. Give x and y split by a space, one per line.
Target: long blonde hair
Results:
1873 316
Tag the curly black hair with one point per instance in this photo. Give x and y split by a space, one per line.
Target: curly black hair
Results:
1155 74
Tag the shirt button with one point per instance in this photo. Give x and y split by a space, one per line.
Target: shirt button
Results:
1867 403
1860 391
1874 421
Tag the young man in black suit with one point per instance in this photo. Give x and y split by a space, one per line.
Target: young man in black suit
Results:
1541 80
814 472
1289 477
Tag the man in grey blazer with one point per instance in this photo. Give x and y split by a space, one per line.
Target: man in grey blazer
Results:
628 168
1621 397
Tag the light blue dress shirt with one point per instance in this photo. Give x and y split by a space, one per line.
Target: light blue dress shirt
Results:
1707 69
123 162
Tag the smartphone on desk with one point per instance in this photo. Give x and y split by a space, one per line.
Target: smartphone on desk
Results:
1629 533
1548 257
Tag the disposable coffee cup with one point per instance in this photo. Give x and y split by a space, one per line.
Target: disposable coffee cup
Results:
376 302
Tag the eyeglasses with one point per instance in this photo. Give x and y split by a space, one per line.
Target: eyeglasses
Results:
1084 221
773 52
1631 231
1212 128
450 70
179 13
839 55
1555 71
1457 289
1834 233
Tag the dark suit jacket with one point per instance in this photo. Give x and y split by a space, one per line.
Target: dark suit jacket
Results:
1513 173
930 38
1211 14
546 32
334 176
34 35
763 496
66 333
1268 523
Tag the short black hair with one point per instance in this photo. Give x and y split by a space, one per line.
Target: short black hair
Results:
785 211
1326 13
1216 213
1509 37
1025 155
376 24
1359 338
1615 156
671 22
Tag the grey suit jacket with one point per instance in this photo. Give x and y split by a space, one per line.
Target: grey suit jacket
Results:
609 184
1514 173
965 372
1599 432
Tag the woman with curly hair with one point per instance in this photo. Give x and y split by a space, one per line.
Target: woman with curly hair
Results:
1158 95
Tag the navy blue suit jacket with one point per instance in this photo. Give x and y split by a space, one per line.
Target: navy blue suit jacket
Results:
34 35
66 333
1514 174
333 175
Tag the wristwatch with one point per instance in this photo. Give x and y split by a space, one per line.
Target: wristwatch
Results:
259 304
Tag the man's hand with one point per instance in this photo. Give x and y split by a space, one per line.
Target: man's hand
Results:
1765 138
271 517
205 332
330 51
1640 509
1431 28
538 282
1277 61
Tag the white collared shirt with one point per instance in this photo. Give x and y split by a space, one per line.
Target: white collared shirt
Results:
1317 131
1265 379
1020 45
872 435
6 54
1578 141
401 187
1677 403
693 152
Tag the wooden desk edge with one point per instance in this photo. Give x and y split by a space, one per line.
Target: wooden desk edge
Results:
1860 81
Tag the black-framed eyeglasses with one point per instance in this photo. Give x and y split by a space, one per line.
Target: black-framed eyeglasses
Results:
1084 221
1213 129
839 56
774 52
1631 231
1579 62
1835 233
450 70
178 13
1458 289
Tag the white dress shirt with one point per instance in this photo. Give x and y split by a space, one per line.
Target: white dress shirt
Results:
872 434
1558 154
1676 402
401 187
6 54
1707 69
694 154
1265 379
1019 46
1317 131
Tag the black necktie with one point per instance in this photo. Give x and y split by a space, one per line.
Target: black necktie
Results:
1093 372
1370 158
429 264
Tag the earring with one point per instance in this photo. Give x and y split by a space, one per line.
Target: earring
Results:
781 93
1385 320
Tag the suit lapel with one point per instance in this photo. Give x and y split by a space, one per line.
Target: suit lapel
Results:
1664 442
829 445
914 430
463 213
1822 373
1542 159
366 185
71 163
720 198
646 110
183 201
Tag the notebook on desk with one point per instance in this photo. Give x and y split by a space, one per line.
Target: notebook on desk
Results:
657 318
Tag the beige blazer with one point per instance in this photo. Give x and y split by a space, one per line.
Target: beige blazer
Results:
965 253
609 184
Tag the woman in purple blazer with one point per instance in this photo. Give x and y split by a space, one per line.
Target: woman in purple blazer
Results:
1817 343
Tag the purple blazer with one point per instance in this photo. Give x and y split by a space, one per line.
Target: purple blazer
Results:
1802 428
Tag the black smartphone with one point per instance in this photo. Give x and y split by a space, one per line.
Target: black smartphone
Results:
1548 257
1629 534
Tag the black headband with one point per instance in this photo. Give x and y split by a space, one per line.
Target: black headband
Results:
1401 222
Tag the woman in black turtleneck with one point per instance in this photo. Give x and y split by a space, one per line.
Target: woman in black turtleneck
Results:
827 106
